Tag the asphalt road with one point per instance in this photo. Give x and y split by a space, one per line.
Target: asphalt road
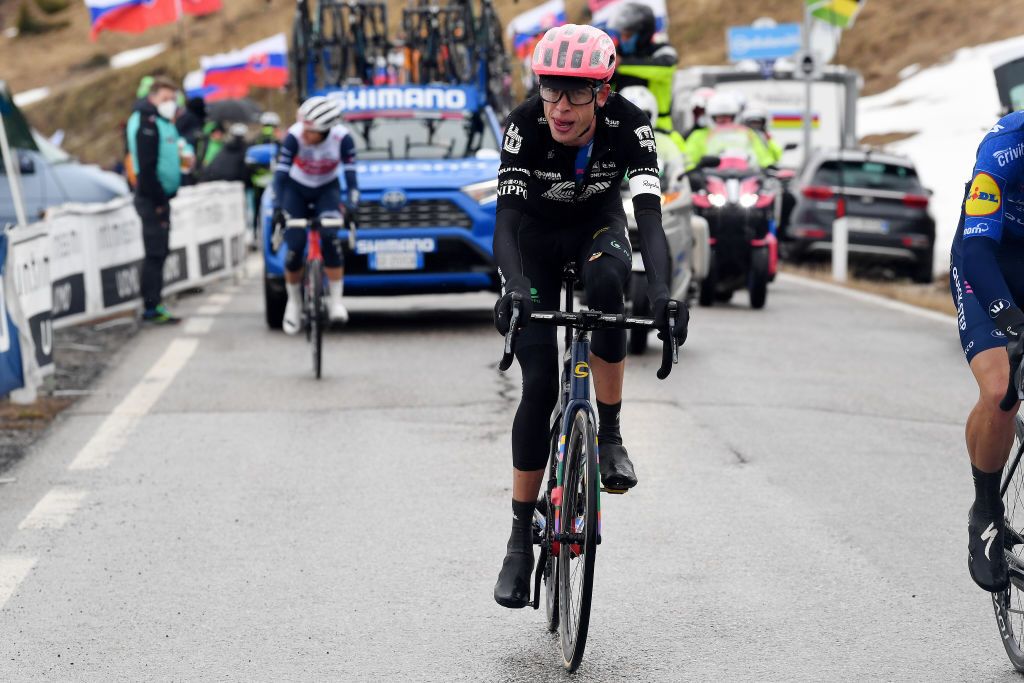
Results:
211 512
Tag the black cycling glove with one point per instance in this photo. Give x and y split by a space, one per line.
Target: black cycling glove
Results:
517 286
1011 323
680 329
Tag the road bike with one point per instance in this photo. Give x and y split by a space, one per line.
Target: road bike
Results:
568 527
438 41
314 298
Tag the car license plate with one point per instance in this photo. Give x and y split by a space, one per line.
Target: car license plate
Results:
875 225
396 260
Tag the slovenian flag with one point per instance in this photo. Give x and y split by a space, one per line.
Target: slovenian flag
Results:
130 16
198 8
263 64
533 23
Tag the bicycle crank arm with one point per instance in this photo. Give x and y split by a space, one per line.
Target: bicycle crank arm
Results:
538 574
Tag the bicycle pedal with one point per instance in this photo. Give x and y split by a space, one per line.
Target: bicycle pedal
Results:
617 492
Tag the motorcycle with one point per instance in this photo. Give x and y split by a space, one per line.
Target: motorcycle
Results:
689 251
738 200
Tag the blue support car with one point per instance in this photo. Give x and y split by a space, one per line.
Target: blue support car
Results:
427 166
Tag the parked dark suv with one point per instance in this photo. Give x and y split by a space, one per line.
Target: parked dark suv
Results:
884 200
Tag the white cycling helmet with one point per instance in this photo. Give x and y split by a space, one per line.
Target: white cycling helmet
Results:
723 104
320 113
754 112
270 118
642 98
699 98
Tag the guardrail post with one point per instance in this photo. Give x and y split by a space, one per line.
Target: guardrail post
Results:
840 248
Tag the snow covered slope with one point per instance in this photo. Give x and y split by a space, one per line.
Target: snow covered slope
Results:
950 107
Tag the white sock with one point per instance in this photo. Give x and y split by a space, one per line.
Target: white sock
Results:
294 291
336 289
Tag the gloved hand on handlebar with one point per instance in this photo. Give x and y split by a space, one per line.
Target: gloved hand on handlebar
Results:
277 222
679 330
515 287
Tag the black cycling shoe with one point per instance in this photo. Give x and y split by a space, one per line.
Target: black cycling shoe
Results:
513 586
616 469
986 560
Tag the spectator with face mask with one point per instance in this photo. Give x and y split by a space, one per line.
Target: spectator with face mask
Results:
155 150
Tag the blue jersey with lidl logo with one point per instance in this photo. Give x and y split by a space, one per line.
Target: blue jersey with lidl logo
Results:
988 250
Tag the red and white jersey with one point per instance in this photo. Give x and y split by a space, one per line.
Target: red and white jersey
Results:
317 165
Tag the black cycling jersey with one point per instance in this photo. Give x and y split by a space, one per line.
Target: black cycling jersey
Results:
538 178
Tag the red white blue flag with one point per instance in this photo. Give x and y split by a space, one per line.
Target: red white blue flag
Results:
130 16
200 7
263 64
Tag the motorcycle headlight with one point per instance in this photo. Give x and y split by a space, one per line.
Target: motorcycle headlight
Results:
748 200
716 200
482 193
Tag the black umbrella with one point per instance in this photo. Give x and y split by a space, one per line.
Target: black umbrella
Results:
243 110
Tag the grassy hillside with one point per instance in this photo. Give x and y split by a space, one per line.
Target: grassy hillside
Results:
91 100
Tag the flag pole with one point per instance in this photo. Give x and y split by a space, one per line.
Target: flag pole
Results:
182 38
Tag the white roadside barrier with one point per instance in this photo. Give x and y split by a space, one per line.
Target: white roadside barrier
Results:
83 262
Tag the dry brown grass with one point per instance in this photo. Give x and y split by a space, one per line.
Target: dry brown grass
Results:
934 296
889 35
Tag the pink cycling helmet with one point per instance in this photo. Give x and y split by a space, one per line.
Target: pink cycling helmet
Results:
574 51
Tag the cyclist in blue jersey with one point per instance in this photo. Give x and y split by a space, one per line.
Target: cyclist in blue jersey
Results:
987 284
306 185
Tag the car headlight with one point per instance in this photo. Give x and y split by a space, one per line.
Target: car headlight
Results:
483 193
716 200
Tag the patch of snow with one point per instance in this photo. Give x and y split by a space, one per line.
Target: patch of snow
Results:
953 105
908 71
128 58
23 99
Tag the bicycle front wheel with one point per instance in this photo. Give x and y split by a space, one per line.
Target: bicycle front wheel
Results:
550 568
1009 605
577 525
315 288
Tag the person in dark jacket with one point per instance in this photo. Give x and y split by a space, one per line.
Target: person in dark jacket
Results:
155 150
229 164
190 123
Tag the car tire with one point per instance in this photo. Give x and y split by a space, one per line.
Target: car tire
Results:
274 299
641 308
923 273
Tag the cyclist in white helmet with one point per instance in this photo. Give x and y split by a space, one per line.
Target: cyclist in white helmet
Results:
306 185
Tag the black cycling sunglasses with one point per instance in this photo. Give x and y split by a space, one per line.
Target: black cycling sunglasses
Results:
583 95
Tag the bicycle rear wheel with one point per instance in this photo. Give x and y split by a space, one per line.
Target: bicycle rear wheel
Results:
578 517
315 288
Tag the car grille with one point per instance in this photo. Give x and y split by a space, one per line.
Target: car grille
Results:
417 213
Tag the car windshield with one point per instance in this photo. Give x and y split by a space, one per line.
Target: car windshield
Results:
441 136
867 174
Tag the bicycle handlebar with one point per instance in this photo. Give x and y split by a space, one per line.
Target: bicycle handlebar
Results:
595 320
324 222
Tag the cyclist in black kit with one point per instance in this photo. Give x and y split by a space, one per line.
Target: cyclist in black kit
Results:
563 159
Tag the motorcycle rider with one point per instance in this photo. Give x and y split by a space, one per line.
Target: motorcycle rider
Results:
725 134
698 110
641 60
755 117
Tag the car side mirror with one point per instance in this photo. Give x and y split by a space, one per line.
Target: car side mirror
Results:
709 161
26 164
789 146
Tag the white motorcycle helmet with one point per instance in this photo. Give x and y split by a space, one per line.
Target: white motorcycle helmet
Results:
642 98
723 104
699 98
754 114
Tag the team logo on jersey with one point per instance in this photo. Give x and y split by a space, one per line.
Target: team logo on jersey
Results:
997 307
513 140
1005 156
547 175
984 198
590 190
646 137
561 192
612 123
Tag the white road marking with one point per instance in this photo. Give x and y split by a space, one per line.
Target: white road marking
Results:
13 570
209 309
868 298
54 509
110 436
198 325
